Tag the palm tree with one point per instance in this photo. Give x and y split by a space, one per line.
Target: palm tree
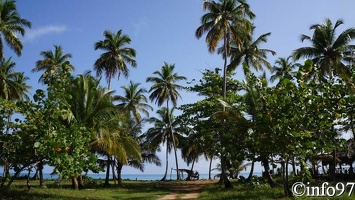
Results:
327 50
250 53
11 23
52 62
164 131
165 89
13 84
134 100
116 56
133 129
283 69
92 106
235 168
192 148
226 20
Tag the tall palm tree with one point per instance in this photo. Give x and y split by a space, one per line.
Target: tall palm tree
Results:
13 84
165 89
163 132
226 20
11 23
327 50
134 100
250 53
51 62
283 69
116 56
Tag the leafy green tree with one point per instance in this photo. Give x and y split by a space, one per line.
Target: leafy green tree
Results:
13 88
116 56
226 20
53 61
327 50
165 89
206 119
48 134
134 100
11 23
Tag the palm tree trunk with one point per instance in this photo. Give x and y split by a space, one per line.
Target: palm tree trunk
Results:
174 144
35 176
40 171
251 170
284 174
333 166
210 169
269 178
294 165
166 164
119 173
227 183
109 81
113 169
107 179
191 171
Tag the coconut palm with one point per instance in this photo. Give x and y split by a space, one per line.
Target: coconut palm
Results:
134 129
235 168
283 69
52 62
134 100
11 24
165 89
192 148
13 84
163 132
327 50
92 107
116 56
250 53
226 20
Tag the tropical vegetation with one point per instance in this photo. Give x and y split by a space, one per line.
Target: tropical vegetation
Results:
77 125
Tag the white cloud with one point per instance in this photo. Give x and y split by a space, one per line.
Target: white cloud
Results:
142 23
33 34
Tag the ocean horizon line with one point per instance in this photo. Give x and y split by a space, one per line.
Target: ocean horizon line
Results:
140 176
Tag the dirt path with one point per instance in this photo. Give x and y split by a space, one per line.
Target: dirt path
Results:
185 190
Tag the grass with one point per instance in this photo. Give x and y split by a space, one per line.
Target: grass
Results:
142 190
247 191
132 190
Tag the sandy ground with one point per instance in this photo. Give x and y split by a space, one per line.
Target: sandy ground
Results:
185 189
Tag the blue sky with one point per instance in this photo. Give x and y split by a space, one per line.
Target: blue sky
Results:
161 31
